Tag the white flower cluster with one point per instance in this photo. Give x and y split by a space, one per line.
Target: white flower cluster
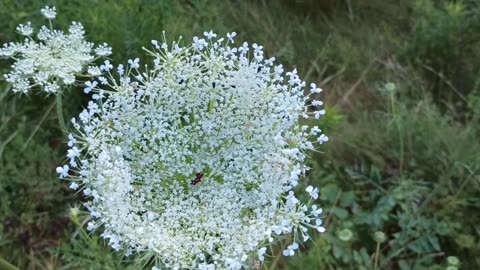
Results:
50 60
196 156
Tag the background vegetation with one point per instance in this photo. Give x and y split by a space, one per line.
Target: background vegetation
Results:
400 182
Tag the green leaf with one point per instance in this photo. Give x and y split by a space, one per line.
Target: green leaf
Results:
337 252
347 199
340 212
465 240
434 242
329 192
404 265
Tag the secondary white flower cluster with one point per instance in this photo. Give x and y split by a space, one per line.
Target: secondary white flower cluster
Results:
196 156
52 58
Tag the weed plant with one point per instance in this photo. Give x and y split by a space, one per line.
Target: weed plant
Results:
400 177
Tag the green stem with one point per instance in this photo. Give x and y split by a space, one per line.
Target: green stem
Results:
6 265
377 254
37 127
61 120
80 228
275 262
211 106
399 129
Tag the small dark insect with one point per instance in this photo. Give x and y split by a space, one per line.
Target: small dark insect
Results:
259 69
197 180
213 84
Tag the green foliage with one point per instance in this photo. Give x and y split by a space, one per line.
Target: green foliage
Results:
403 158
444 43
84 251
32 200
439 33
425 204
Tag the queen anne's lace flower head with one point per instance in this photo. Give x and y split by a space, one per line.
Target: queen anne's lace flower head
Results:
196 157
52 59
49 12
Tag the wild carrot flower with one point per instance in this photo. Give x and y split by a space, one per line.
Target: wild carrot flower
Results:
196 156
50 59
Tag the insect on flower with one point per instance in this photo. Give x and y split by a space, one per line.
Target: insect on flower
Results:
197 180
